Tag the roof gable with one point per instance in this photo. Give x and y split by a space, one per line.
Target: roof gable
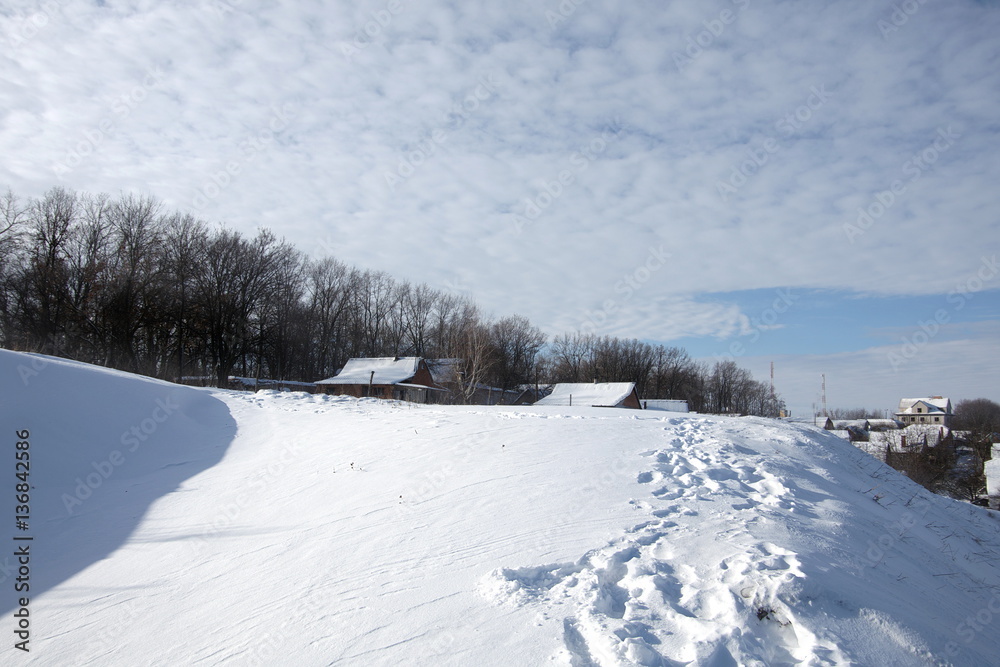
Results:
936 404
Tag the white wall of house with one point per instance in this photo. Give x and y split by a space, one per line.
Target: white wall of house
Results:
992 470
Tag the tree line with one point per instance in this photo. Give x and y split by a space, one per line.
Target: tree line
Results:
122 282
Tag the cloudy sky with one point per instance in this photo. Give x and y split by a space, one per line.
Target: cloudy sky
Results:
814 184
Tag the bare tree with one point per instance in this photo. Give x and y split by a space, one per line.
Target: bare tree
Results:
184 244
980 417
236 275
473 349
13 221
514 344
89 273
855 413
375 297
572 355
417 308
42 294
132 296
329 288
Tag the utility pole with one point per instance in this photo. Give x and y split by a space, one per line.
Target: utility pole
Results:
826 413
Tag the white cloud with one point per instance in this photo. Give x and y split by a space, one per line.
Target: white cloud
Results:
321 181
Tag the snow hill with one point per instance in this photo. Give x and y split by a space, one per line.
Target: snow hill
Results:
175 525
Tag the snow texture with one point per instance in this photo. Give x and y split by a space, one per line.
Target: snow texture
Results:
288 528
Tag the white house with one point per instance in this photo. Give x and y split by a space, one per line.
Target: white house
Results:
596 394
935 411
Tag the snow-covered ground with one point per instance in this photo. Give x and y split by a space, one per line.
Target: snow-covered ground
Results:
176 525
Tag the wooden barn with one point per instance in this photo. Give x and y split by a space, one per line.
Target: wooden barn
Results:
400 378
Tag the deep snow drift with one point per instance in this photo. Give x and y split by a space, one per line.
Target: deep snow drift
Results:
285 528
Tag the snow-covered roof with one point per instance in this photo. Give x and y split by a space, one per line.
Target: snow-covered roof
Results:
596 394
883 423
843 424
444 370
664 404
387 370
935 404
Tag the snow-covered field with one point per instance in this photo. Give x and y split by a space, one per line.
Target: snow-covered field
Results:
174 525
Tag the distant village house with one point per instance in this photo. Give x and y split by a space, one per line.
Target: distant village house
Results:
400 378
934 411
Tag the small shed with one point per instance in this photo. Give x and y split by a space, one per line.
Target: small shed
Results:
597 395
400 378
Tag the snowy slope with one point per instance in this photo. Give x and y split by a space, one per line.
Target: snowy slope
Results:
104 446
292 529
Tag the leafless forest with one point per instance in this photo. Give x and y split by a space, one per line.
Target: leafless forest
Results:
124 283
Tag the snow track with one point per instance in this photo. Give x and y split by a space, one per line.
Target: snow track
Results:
642 600
697 583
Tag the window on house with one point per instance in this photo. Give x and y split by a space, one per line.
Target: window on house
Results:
937 419
920 409
922 420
